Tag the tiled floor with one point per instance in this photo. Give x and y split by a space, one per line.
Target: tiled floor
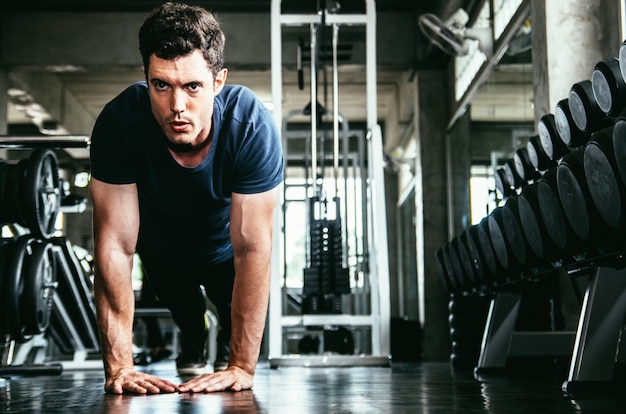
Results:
403 388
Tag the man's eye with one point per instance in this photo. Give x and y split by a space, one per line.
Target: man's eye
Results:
160 85
193 87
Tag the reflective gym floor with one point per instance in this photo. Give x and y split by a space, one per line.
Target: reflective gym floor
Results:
402 388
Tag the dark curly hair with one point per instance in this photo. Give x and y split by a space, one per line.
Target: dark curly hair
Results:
175 29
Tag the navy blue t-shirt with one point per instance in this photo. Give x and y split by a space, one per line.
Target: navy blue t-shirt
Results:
184 211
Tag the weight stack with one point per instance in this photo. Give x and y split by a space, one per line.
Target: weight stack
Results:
325 280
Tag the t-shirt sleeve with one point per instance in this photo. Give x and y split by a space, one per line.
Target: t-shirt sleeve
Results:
110 155
260 164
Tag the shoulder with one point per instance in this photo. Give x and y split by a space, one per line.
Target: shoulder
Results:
132 99
238 99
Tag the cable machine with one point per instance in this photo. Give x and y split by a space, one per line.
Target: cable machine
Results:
339 312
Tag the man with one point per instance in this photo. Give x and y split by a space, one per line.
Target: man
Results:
185 172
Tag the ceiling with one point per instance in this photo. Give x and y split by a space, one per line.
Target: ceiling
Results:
401 49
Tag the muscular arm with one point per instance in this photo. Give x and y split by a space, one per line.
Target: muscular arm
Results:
251 226
115 229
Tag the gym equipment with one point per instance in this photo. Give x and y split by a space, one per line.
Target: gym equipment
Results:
34 263
569 133
28 288
553 217
531 223
448 276
622 59
609 89
42 191
345 269
551 142
463 279
31 191
500 243
467 259
619 147
538 156
603 181
326 279
484 276
586 113
569 222
512 176
578 205
503 185
512 227
524 166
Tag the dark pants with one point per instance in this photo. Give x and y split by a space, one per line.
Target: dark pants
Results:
154 337
179 290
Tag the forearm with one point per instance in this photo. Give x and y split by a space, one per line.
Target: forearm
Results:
249 308
115 306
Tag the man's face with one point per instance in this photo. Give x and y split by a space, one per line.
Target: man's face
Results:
182 93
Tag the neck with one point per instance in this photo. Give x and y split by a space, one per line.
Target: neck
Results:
180 148
189 155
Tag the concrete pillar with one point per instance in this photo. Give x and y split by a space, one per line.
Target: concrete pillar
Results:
569 37
432 122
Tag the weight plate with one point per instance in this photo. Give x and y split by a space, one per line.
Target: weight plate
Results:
486 247
498 241
469 281
602 180
572 185
619 146
457 270
533 226
446 266
14 287
39 286
43 193
513 231
551 211
473 249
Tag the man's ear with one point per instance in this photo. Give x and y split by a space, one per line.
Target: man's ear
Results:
220 80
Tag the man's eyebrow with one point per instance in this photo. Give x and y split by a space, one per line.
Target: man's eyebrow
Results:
157 80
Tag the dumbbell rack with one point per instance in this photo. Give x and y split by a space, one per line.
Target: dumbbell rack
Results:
591 349
568 220
24 349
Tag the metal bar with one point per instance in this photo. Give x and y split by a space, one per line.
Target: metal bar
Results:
274 308
320 320
346 19
330 361
601 318
370 65
335 111
485 71
314 108
379 272
56 141
548 343
499 328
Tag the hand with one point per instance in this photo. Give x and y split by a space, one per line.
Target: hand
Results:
232 379
128 381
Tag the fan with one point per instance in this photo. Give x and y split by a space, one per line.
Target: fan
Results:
450 35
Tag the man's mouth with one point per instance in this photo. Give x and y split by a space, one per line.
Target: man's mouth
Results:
179 126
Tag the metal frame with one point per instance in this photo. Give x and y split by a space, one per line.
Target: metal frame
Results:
592 348
377 253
